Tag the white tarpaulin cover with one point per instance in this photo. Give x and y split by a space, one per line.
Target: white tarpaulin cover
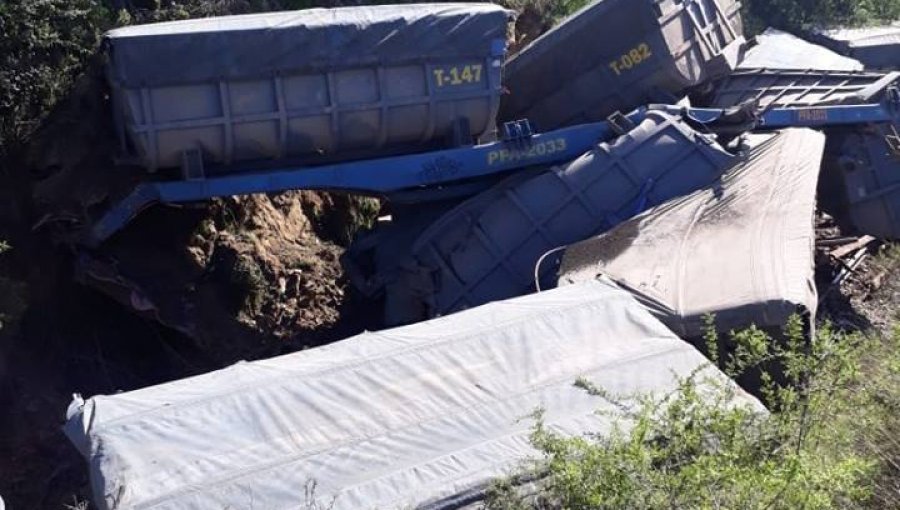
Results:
418 415
877 46
781 50
741 249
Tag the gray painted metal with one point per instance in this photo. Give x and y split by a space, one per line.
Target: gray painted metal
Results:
876 47
615 55
424 416
775 49
313 84
869 162
798 88
741 250
486 249
863 162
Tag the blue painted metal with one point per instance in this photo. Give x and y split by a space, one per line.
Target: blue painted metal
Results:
814 116
887 111
520 149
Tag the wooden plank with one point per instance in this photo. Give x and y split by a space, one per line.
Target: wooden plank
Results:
847 249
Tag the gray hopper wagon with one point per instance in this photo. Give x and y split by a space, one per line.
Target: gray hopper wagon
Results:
876 47
308 85
615 55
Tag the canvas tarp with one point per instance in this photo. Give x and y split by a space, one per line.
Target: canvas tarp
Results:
741 250
877 46
420 415
780 50
311 40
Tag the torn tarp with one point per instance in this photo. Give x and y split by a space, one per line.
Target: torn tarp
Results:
426 414
741 250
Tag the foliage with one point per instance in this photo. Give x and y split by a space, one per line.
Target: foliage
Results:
800 14
553 10
43 45
361 215
828 441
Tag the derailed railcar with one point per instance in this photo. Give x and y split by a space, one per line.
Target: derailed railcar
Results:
490 247
797 88
862 161
876 47
774 49
424 416
615 55
306 85
740 250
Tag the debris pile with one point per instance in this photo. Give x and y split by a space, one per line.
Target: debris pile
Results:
688 187
248 271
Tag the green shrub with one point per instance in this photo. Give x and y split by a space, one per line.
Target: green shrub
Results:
799 14
828 441
43 46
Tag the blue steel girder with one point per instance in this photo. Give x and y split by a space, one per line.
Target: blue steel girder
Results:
887 111
434 169
373 177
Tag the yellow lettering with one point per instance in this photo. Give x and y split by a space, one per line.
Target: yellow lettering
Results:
631 59
467 74
439 77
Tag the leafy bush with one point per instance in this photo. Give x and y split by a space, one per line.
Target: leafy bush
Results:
828 441
799 14
43 45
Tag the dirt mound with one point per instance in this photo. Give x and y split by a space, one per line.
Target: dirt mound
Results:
245 276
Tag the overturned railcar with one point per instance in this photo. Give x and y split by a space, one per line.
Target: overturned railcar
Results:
491 246
797 88
862 161
308 85
425 416
615 55
775 49
876 47
739 250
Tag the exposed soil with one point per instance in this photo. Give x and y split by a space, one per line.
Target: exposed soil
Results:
181 291
187 290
